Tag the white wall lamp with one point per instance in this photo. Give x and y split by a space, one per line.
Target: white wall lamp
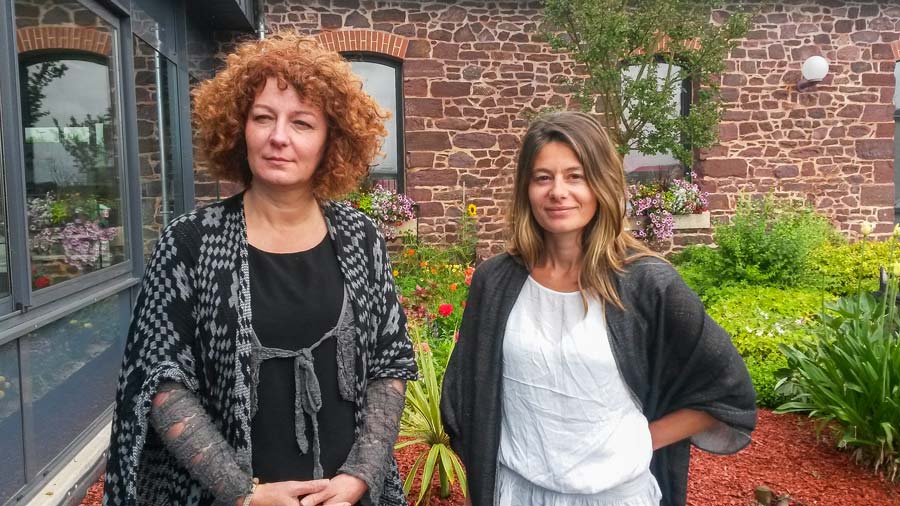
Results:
814 70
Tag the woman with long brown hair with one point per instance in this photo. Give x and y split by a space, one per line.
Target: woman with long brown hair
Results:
585 367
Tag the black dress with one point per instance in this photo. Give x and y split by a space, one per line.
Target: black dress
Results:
296 299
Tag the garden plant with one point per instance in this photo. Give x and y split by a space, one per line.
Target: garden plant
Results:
849 377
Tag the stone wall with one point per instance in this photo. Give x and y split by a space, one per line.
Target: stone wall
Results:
475 69
833 144
471 72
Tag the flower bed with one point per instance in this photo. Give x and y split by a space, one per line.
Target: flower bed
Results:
785 455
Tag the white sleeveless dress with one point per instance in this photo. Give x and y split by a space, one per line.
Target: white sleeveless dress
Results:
572 433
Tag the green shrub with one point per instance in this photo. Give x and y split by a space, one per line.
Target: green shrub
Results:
764 374
843 269
849 377
768 241
698 266
760 319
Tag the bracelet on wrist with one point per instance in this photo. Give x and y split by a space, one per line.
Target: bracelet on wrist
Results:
249 495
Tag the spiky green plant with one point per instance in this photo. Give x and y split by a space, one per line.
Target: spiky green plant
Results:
421 424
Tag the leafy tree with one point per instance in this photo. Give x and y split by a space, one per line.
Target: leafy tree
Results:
619 46
35 82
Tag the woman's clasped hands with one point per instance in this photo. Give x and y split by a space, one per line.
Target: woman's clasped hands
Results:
342 490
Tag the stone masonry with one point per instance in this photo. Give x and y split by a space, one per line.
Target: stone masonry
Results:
833 144
474 70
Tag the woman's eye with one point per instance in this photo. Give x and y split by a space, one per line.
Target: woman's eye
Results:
261 117
302 124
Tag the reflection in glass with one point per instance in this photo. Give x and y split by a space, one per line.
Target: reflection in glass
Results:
154 77
12 460
639 166
380 82
4 246
70 122
72 364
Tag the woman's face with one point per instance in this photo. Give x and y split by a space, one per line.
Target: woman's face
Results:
561 200
285 137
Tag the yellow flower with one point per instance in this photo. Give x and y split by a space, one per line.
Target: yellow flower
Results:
897 230
472 210
396 273
896 269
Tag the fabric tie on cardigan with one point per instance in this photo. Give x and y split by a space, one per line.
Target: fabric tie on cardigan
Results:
307 393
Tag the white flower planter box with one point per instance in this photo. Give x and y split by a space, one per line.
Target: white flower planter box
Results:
682 221
408 226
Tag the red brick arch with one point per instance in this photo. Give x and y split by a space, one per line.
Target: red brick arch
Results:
369 41
76 38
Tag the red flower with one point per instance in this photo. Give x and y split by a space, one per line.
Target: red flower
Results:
445 310
41 282
469 271
452 287
424 347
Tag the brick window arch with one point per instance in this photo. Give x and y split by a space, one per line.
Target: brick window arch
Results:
377 57
71 38
365 41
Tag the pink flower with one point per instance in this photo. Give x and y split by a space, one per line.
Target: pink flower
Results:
445 310
424 348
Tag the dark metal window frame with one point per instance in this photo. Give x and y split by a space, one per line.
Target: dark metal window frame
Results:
397 64
24 312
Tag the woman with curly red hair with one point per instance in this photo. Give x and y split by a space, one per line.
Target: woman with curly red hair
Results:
267 356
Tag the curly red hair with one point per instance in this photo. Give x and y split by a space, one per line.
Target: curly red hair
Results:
323 77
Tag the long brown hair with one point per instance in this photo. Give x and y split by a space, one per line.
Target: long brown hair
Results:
606 246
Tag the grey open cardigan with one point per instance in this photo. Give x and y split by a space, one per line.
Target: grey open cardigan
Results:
671 354
191 325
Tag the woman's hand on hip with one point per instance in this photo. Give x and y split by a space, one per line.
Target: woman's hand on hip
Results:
285 493
342 489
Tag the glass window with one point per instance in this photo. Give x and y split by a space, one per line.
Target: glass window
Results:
4 244
73 363
154 77
639 166
380 82
12 460
73 163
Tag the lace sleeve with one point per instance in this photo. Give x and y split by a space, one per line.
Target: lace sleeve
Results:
192 438
373 450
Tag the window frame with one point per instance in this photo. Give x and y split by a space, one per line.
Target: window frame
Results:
25 305
399 116
86 281
26 310
687 95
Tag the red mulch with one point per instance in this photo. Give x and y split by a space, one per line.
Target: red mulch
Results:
785 456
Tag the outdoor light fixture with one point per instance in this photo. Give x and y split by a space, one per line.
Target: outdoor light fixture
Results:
814 70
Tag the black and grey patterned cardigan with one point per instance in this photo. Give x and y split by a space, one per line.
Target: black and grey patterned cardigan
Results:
191 324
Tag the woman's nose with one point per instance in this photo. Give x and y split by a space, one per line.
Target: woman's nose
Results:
278 135
558 189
